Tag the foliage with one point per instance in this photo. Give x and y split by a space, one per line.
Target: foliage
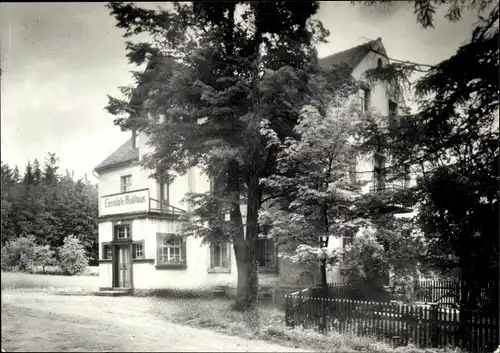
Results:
311 193
47 205
451 143
215 74
44 256
21 254
72 256
425 10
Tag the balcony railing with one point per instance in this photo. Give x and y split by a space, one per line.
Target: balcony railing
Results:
388 187
400 202
163 207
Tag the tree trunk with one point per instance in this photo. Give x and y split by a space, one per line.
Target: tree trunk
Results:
324 292
467 305
239 245
240 248
251 302
253 188
241 288
322 271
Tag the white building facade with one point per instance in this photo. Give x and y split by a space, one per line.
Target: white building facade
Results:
139 242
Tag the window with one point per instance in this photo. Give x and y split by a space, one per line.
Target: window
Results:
126 183
364 95
219 256
266 253
122 231
346 240
379 171
164 191
138 249
212 184
407 177
379 62
171 249
393 108
393 112
352 169
107 251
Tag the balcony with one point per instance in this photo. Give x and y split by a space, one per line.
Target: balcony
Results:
157 206
395 198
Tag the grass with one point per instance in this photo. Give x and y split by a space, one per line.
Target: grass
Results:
217 315
15 281
214 314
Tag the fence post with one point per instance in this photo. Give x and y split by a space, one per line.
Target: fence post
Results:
323 314
434 316
301 314
287 310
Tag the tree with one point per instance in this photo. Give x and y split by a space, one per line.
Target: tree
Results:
386 245
50 175
452 142
9 180
207 74
72 256
28 178
44 256
37 172
19 254
312 189
50 209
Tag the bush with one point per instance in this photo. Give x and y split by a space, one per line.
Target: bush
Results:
72 256
19 254
23 254
44 256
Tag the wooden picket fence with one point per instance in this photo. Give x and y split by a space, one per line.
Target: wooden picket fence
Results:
424 326
446 292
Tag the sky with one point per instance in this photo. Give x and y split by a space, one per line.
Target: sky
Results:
59 62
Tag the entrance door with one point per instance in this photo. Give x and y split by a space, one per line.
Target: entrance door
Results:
124 266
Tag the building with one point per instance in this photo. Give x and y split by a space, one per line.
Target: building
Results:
385 100
139 244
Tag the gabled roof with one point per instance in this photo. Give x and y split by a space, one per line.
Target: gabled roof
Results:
353 56
124 153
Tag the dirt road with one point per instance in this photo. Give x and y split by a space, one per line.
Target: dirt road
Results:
45 322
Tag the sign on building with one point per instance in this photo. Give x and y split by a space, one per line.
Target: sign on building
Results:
127 202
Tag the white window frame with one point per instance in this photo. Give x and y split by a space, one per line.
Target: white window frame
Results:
107 251
126 183
138 254
364 96
127 232
223 263
166 253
